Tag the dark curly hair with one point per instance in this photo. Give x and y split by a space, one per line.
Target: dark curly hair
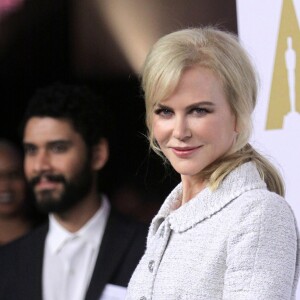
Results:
77 103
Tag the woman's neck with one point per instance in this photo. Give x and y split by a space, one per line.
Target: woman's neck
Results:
191 186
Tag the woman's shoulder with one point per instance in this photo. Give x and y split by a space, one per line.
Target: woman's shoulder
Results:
263 206
263 198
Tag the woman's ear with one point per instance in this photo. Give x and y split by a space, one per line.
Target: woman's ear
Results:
100 154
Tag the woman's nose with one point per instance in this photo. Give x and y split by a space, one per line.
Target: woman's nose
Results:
181 129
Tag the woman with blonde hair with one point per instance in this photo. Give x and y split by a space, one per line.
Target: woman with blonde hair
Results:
225 232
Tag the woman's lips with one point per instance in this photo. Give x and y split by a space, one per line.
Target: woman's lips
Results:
184 151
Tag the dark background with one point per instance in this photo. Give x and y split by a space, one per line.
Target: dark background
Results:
42 42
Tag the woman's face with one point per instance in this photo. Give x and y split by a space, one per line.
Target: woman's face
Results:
195 125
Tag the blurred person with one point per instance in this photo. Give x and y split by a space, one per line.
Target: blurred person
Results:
86 251
225 232
14 218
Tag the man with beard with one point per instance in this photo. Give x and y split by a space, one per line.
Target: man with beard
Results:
86 251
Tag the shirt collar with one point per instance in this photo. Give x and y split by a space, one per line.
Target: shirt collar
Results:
58 235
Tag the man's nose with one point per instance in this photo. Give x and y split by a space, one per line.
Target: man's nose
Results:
42 162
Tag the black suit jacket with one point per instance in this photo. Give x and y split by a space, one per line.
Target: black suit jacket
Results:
21 261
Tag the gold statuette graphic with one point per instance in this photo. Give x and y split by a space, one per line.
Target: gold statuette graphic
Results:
284 104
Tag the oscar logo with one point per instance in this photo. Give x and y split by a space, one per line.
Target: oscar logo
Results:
284 103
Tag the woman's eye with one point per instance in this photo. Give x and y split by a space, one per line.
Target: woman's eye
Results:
199 111
163 112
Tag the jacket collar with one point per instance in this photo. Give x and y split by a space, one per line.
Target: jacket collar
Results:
206 203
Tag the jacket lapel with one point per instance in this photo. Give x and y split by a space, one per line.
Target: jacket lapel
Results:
116 238
38 261
32 255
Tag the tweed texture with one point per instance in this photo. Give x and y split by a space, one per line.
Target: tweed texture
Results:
239 242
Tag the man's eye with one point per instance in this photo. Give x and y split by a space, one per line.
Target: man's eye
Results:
59 148
29 150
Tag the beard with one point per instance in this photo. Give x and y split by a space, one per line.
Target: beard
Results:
73 192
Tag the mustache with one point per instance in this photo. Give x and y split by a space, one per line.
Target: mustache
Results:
50 177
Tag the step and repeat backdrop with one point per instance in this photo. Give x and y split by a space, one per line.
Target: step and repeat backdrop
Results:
269 29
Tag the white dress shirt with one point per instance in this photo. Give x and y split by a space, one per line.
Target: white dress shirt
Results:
70 258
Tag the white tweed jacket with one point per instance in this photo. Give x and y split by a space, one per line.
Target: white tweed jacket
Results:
239 242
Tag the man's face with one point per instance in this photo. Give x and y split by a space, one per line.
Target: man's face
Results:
57 164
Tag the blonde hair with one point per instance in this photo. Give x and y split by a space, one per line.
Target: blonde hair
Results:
220 52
